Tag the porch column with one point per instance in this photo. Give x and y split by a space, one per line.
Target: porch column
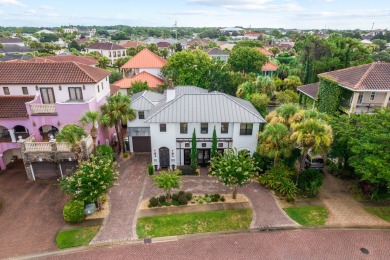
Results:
354 102
12 134
386 101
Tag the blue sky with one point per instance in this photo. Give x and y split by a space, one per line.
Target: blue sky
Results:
301 14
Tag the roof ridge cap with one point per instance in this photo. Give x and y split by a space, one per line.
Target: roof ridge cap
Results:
232 99
350 68
365 75
167 104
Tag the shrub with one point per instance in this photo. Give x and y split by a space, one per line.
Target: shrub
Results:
310 182
150 169
187 170
153 202
162 199
189 196
105 151
175 197
182 199
207 198
181 193
222 198
74 211
125 155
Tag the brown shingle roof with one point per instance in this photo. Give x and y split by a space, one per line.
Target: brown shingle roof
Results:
145 59
105 46
310 90
14 106
131 44
374 76
153 81
86 60
50 73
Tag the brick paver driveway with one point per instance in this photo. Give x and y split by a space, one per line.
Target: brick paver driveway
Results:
31 215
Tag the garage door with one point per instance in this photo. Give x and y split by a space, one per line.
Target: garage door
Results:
141 144
68 168
45 171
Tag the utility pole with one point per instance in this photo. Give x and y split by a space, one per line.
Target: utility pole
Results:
176 29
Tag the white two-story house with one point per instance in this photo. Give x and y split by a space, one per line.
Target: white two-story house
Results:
107 49
170 123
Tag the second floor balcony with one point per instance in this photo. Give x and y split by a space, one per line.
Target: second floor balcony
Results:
43 109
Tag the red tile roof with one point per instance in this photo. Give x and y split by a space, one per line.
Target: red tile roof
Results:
163 44
105 46
269 67
114 89
50 73
86 60
265 52
153 81
14 106
145 59
373 76
310 90
131 44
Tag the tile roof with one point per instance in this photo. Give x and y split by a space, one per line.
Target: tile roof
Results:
217 52
105 46
145 59
131 44
200 42
50 73
269 67
14 106
86 60
373 76
113 89
264 51
310 90
12 48
163 44
153 81
10 40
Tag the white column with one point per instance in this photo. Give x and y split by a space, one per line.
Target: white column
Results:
386 101
12 134
354 102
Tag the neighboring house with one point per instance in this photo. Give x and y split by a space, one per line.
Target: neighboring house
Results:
107 49
196 43
286 46
217 53
37 99
131 44
16 57
70 30
86 60
125 83
232 30
228 46
166 124
15 49
45 31
366 42
144 60
364 87
265 52
269 69
252 35
12 41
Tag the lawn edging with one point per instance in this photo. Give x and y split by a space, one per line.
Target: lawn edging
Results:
192 208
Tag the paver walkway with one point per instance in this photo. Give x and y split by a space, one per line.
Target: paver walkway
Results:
344 210
119 225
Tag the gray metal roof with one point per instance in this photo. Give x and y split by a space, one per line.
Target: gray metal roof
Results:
145 100
208 107
179 90
217 52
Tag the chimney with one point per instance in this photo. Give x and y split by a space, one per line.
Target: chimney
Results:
170 91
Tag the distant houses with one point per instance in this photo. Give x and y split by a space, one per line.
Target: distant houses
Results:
107 49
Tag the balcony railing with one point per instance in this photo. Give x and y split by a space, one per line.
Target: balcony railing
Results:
43 109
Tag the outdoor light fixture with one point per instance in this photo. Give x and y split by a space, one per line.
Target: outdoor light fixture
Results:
58 123
155 154
60 87
36 87
173 153
34 124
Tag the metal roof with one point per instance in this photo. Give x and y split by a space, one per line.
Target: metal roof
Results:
208 107
180 90
145 100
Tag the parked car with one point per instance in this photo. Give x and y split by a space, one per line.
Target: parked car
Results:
314 162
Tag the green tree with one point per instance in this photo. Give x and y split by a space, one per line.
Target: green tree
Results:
287 96
48 37
115 76
260 102
116 112
103 62
138 86
72 135
92 118
168 181
247 59
214 143
120 62
248 43
291 83
75 45
233 169
194 152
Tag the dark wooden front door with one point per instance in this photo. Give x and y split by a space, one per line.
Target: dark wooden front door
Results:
187 156
164 157
203 157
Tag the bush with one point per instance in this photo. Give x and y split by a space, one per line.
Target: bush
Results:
125 155
182 199
187 170
309 182
181 193
150 169
222 198
153 202
175 197
105 151
162 199
189 196
279 179
74 211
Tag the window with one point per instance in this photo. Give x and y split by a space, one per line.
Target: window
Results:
224 128
124 53
6 90
246 129
163 127
220 144
114 53
204 128
183 128
360 98
98 88
75 94
372 96
47 95
141 114
109 54
119 53
102 86
25 90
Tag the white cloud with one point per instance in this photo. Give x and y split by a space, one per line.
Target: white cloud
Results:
200 12
46 7
30 11
11 2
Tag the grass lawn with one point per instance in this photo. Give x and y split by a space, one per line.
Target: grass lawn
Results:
76 237
308 216
191 223
382 212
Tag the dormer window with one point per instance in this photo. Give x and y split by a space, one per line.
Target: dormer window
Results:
141 114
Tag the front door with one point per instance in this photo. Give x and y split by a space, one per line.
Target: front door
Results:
204 157
164 157
187 156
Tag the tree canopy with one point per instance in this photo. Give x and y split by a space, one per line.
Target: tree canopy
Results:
247 59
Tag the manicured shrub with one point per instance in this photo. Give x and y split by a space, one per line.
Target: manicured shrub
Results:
182 199
175 197
150 169
162 199
181 193
187 170
309 182
105 151
217 196
125 155
189 196
153 202
222 199
73 211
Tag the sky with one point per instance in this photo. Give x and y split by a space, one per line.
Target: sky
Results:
289 14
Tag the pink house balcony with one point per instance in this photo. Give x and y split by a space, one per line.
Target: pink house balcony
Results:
43 109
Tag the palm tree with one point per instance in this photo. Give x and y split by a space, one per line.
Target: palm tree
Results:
72 134
286 114
116 112
313 135
91 117
275 142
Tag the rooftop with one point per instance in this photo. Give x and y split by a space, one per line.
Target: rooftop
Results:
10 40
269 67
151 80
105 46
14 106
145 59
310 90
216 52
265 52
86 60
145 100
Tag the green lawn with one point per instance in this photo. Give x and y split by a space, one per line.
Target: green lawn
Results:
76 237
308 216
382 212
191 223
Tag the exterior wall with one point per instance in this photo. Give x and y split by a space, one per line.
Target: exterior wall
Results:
158 140
154 71
378 100
247 142
139 122
7 150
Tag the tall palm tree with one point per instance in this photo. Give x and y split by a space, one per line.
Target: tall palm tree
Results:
72 135
116 112
91 117
275 142
286 114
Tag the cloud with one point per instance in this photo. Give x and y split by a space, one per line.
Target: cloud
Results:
351 14
30 11
46 7
11 2
200 12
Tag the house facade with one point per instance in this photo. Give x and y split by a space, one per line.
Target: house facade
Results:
217 53
145 60
38 99
107 49
152 81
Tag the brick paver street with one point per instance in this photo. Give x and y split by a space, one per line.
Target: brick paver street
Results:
31 214
343 209
299 244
